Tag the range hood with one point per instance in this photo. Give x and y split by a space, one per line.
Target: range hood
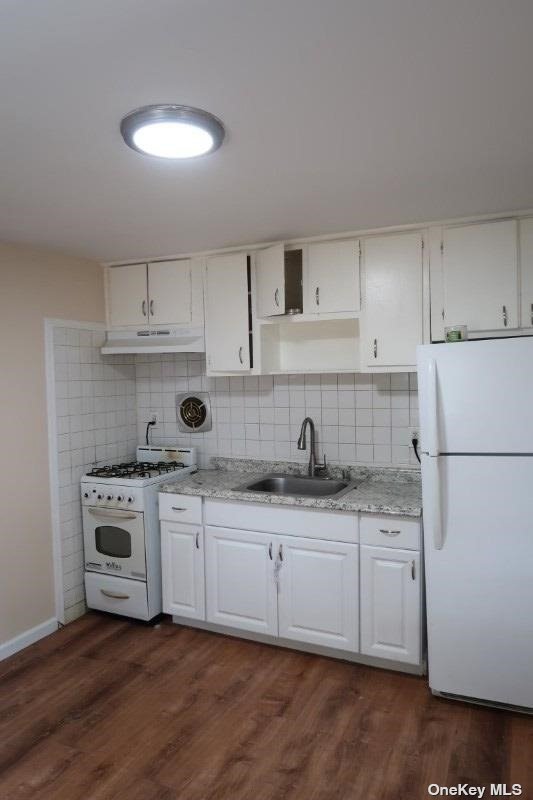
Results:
155 340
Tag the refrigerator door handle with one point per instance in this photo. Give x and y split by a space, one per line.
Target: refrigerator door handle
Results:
434 511
433 419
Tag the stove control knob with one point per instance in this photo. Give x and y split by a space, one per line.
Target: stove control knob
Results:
109 497
130 499
120 498
86 495
100 497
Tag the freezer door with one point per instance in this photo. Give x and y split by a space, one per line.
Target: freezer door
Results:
484 396
479 576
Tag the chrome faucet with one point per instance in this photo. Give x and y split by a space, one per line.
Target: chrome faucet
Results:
302 445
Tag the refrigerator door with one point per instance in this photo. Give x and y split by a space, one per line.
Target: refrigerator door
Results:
483 401
479 576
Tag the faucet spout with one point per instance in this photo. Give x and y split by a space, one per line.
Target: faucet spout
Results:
302 445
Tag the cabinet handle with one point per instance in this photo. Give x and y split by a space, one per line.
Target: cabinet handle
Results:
115 595
143 306
280 552
152 308
532 313
413 575
389 533
276 297
317 295
270 551
198 541
504 314
177 508
375 348
240 355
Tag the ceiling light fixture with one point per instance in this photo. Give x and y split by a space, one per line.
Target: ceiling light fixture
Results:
171 131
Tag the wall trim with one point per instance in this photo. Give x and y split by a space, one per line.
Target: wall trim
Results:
31 636
53 471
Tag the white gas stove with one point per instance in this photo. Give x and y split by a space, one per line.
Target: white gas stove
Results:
121 529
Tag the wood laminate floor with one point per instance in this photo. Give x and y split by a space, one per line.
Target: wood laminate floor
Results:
107 708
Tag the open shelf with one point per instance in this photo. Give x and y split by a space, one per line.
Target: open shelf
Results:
317 346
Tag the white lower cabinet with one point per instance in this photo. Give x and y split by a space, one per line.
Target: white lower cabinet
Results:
391 604
318 600
182 561
241 592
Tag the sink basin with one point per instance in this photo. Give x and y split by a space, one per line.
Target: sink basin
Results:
299 485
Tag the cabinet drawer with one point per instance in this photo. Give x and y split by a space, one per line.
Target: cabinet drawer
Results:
117 595
180 508
390 531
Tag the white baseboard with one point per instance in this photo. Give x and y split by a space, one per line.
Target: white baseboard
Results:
28 637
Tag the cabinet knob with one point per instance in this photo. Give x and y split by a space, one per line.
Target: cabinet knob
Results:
240 355
413 571
276 298
197 541
504 314
270 551
143 306
152 308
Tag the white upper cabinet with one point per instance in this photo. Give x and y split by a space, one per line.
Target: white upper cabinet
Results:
392 301
526 272
270 281
128 296
318 599
227 313
332 283
169 292
480 275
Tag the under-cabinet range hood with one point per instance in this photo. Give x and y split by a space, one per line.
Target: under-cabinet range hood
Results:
161 340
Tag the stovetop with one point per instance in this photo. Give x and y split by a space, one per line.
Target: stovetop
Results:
135 469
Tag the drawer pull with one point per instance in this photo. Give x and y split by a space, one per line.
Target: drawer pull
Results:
197 541
389 533
177 508
115 595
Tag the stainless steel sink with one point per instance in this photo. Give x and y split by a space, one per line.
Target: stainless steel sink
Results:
298 485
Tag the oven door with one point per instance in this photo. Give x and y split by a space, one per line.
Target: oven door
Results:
114 542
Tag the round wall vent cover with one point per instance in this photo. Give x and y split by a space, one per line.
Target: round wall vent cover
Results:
193 412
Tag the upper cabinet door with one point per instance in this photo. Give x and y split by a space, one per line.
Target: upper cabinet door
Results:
318 592
270 275
392 321
128 296
227 319
333 277
526 272
480 276
169 290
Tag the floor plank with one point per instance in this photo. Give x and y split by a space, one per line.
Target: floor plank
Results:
109 708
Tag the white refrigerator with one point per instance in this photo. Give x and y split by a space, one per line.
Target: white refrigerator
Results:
476 442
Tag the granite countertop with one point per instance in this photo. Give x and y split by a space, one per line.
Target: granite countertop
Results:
385 491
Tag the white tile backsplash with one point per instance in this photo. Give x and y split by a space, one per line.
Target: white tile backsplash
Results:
359 418
95 422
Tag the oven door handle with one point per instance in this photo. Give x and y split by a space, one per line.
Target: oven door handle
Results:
109 512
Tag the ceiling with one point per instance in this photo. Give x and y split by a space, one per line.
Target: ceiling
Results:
339 115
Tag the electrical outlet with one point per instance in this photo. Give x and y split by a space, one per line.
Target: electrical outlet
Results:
152 417
413 434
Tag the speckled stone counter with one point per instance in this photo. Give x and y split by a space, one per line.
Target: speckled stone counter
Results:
380 491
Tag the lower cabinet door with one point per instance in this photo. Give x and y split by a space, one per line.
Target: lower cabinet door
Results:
182 562
241 591
318 599
390 603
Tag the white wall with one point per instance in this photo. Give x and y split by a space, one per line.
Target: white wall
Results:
359 418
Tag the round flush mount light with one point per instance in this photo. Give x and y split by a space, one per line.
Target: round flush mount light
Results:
171 131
